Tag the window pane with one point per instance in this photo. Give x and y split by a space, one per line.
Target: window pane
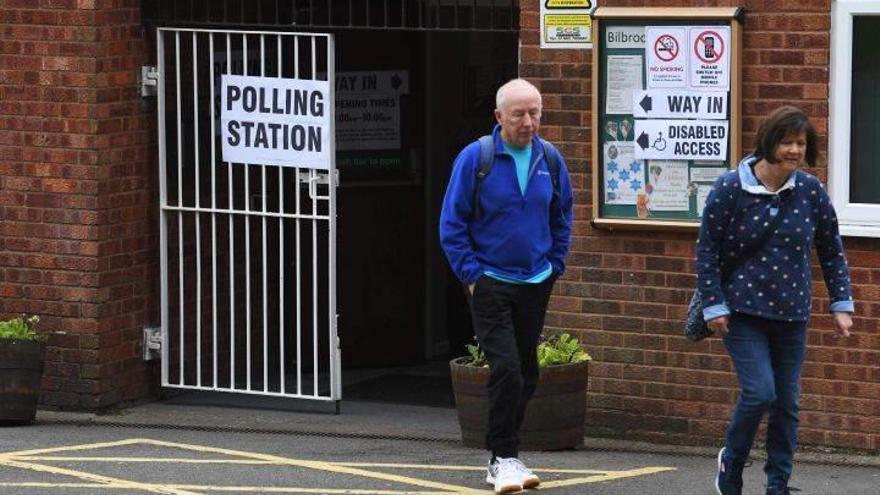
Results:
865 144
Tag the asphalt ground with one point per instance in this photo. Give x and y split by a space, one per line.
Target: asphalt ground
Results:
90 458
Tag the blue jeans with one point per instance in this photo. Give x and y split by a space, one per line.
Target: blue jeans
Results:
768 356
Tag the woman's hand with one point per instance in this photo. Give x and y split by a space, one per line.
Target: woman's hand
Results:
718 325
842 323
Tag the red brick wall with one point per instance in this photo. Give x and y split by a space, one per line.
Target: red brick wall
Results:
77 193
625 293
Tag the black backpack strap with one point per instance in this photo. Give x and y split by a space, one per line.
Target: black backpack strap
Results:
487 158
552 157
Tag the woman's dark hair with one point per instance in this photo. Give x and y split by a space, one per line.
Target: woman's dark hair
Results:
779 124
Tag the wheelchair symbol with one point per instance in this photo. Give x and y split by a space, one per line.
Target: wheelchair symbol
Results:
659 143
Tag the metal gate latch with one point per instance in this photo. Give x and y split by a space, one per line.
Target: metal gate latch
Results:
152 343
149 80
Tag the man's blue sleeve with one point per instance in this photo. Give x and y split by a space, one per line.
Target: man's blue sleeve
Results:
561 215
457 214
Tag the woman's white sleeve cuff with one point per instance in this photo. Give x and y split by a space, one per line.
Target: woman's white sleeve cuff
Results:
715 311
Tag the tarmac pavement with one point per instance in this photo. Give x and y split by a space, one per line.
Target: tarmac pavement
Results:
188 446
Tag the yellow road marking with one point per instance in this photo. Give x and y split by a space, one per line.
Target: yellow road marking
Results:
319 465
181 460
105 480
170 460
249 489
67 448
613 475
21 459
446 467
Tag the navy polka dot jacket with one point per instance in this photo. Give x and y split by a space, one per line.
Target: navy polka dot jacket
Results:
775 282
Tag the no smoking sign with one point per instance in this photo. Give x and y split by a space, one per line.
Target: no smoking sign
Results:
666 48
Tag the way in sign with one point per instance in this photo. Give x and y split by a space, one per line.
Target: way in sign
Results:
680 104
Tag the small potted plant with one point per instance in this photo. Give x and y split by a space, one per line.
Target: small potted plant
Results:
21 368
554 418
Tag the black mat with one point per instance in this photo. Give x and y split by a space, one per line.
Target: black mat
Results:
432 391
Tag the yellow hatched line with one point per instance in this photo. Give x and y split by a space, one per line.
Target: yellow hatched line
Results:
103 480
180 460
446 467
318 465
67 448
171 460
615 475
236 489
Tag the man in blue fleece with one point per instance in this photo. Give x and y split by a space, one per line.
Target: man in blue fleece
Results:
507 250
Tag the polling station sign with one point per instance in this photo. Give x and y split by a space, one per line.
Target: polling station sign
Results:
681 139
657 103
275 121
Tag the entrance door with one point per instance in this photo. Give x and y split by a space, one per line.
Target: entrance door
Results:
248 250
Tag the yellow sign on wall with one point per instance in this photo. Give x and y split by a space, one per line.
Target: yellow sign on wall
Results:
567 28
568 4
567 24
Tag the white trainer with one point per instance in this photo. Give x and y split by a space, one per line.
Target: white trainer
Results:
528 479
504 475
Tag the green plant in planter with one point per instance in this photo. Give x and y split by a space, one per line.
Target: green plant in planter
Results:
21 369
553 350
21 328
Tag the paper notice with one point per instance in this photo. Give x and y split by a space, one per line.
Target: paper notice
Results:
624 77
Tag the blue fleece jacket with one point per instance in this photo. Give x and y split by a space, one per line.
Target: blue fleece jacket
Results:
517 233
775 282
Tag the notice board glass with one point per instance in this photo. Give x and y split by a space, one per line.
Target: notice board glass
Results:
666 113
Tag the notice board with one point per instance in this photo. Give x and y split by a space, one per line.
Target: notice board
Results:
666 113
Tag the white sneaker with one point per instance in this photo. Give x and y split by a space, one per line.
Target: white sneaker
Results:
504 475
528 479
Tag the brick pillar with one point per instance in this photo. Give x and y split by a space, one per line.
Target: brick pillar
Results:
78 237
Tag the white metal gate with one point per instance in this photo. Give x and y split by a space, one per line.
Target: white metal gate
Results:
248 251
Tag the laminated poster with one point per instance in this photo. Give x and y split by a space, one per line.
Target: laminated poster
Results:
706 174
624 77
702 193
624 175
668 185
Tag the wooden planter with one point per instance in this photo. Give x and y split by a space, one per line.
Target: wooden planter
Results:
21 368
554 418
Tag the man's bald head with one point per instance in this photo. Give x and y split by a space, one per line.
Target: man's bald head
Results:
517 86
518 112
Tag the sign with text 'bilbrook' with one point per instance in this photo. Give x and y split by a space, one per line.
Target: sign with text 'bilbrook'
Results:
681 139
657 103
275 121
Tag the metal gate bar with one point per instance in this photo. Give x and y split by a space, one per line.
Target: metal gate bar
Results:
417 15
318 210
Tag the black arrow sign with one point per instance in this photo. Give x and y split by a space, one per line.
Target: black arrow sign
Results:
396 81
646 103
643 140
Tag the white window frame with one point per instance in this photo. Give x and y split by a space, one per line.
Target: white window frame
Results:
856 219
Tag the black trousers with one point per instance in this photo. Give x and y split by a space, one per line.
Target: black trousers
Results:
508 319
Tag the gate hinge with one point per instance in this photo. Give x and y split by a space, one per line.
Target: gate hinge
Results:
152 343
149 80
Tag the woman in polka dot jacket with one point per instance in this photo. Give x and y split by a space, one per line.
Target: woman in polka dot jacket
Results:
762 308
